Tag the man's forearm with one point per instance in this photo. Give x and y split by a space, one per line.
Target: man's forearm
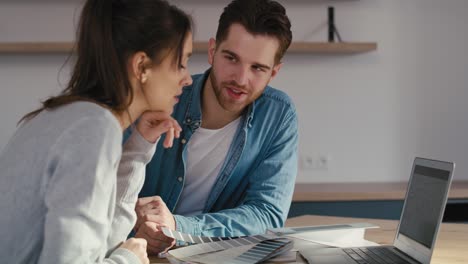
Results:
243 220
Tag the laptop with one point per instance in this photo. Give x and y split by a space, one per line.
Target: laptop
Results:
422 213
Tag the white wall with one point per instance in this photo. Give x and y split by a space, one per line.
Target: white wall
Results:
370 114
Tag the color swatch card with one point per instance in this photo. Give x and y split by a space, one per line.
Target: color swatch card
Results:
240 250
208 247
253 253
193 239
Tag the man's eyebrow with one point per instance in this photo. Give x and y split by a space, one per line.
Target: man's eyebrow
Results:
257 64
263 66
230 53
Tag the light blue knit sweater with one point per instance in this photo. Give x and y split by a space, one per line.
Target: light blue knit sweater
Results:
68 189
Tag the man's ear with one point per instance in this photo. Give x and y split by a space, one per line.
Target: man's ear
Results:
211 50
275 70
138 64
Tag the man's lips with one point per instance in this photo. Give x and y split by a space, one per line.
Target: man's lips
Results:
236 90
235 93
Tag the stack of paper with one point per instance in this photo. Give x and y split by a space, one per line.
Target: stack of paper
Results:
344 235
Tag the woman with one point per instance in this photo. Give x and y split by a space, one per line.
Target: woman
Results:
68 188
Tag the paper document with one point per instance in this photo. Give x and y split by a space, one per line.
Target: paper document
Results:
343 235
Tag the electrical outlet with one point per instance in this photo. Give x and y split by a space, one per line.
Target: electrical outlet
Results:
307 162
322 162
314 162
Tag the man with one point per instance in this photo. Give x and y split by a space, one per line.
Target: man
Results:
233 169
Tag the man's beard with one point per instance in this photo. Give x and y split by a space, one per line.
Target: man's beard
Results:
222 101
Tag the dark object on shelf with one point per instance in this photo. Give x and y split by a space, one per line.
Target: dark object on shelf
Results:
331 24
332 29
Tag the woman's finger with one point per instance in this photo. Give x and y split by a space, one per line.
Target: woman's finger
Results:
169 138
177 128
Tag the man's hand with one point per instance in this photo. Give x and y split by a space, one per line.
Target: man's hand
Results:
152 214
157 241
153 209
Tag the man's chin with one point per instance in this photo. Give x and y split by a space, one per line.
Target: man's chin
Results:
233 108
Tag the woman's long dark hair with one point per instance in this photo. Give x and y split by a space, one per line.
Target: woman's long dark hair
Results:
109 32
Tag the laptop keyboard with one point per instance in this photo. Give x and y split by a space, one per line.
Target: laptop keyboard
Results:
374 255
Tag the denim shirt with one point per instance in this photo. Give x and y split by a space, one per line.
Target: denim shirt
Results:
254 188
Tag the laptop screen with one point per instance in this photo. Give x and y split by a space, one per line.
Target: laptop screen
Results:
424 204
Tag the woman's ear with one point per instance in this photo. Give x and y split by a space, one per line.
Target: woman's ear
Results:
139 68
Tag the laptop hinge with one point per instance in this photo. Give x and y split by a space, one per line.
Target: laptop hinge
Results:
406 255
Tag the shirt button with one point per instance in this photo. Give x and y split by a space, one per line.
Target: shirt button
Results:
188 120
183 141
180 179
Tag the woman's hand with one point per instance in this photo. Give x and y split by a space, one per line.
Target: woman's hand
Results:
138 247
152 124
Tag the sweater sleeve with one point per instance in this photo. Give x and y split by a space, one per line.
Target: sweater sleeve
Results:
80 194
137 152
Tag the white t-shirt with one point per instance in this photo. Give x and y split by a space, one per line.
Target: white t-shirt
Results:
206 152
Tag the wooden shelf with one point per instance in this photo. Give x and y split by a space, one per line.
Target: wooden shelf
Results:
332 48
325 192
316 47
198 47
35 47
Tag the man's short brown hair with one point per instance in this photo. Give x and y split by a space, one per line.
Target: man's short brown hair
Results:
259 17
